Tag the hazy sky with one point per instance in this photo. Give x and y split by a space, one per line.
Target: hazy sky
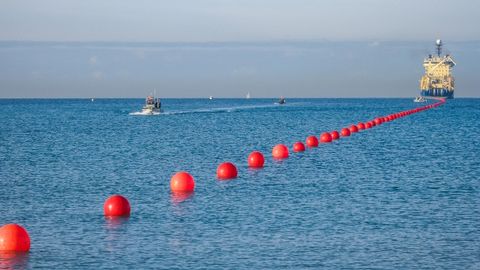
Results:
238 20
226 48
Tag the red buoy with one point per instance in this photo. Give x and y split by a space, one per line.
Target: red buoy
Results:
311 141
378 121
280 151
326 137
182 182
361 125
116 205
256 160
368 125
335 135
14 237
298 147
345 132
226 170
353 128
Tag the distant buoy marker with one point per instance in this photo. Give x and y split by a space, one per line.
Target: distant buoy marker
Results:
226 171
326 137
280 151
311 141
335 135
256 160
116 205
345 132
298 147
182 182
14 237
353 129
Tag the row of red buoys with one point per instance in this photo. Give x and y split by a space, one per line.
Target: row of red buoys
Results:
183 182
14 237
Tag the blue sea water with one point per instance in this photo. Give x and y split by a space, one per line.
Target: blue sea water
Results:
403 195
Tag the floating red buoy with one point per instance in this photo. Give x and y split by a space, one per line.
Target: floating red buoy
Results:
353 128
298 147
326 137
361 125
182 182
345 132
335 135
378 121
116 205
280 151
226 170
256 160
311 141
14 237
368 125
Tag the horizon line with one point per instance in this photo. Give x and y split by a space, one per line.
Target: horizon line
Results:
273 41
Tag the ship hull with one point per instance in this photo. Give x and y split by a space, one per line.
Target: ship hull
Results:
444 93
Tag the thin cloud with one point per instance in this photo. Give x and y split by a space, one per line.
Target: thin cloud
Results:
97 75
93 60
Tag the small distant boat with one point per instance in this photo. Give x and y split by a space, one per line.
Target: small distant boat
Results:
93 99
210 97
248 95
281 101
419 99
152 106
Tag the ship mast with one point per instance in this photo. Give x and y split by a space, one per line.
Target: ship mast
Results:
439 47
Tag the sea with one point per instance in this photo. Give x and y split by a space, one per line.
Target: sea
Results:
402 195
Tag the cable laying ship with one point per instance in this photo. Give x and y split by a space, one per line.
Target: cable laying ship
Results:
438 80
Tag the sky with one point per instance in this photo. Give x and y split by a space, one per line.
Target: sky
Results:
225 48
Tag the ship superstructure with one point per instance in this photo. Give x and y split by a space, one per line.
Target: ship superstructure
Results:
438 80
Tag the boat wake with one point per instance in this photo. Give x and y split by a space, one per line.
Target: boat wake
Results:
214 110
144 113
218 110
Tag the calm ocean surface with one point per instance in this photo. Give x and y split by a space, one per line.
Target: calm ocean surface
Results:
403 195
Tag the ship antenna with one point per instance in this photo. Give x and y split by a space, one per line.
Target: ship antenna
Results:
439 46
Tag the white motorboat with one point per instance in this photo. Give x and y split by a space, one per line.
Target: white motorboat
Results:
420 99
152 106
281 101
